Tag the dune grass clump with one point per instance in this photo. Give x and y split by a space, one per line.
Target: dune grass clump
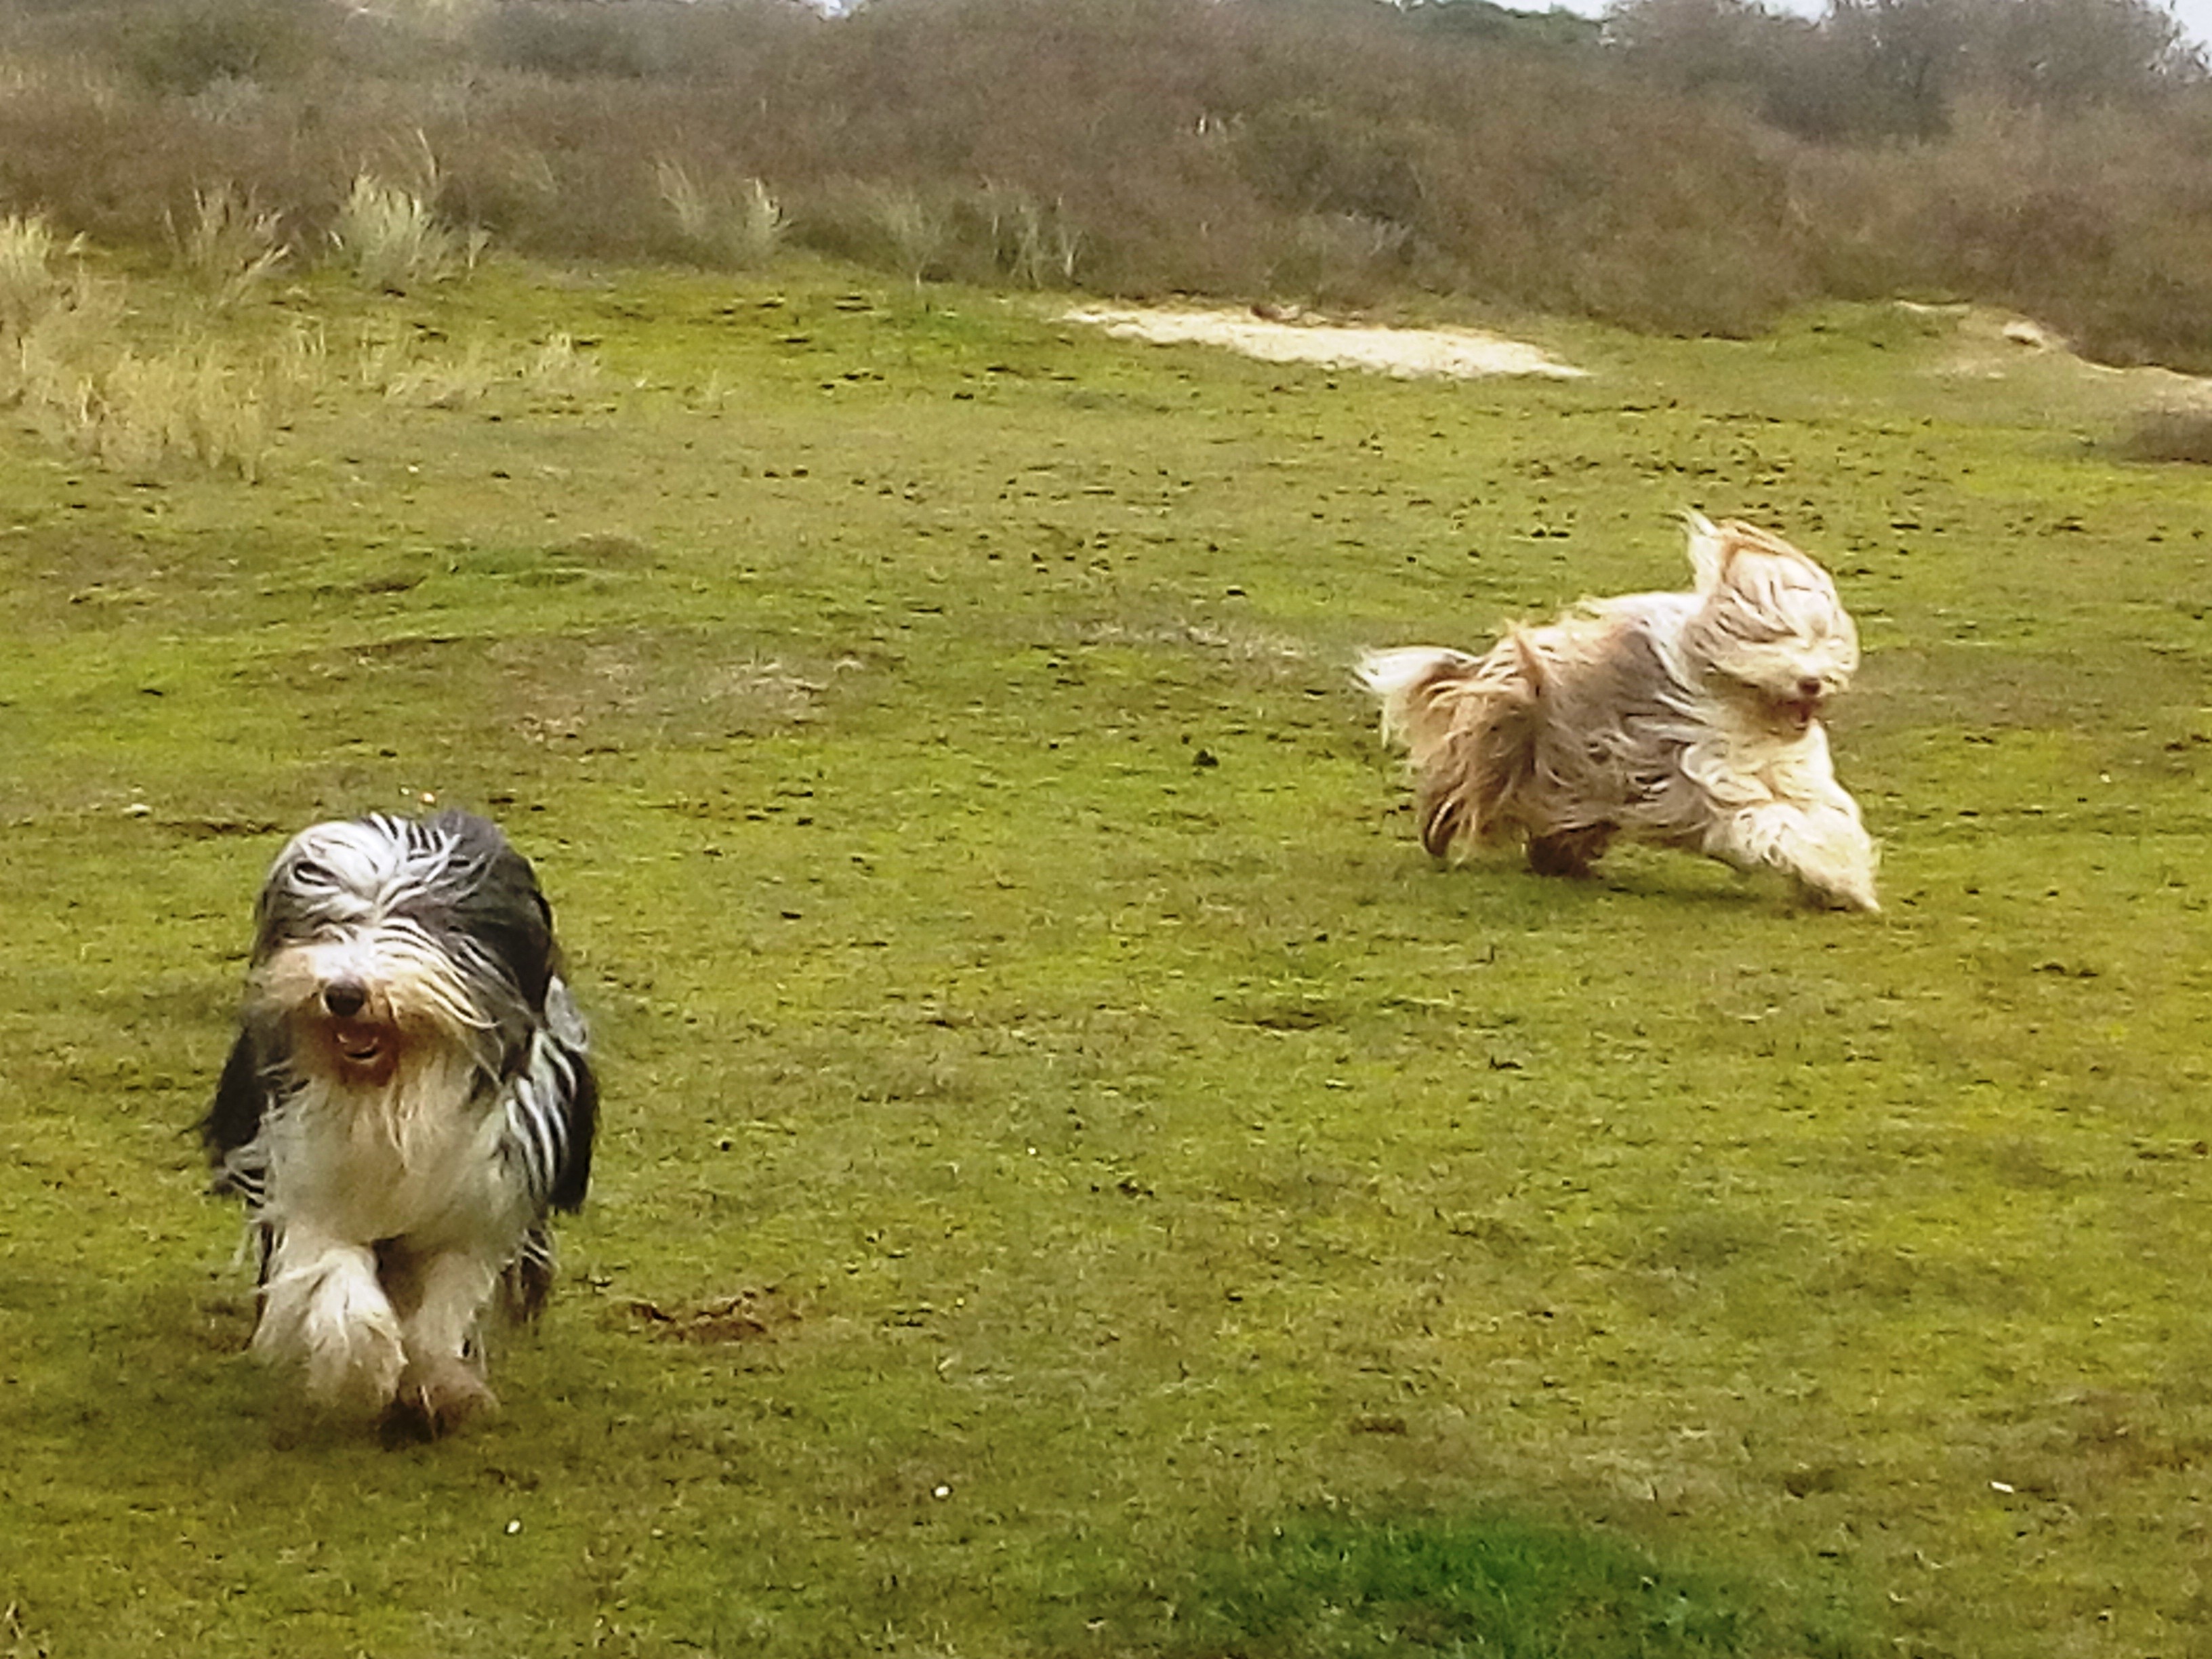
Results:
393 362
738 227
199 403
209 404
33 280
230 246
69 365
391 238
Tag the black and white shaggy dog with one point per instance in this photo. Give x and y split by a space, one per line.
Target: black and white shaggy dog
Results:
407 1098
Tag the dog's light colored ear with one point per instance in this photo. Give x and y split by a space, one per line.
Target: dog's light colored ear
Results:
1531 661
1709 550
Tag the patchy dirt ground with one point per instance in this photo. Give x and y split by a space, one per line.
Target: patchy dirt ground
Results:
1997 345
1461 354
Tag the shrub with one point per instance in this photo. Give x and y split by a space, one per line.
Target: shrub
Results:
2099 226
191 47
1031 244
230 246
2171 434
31 286
740 225
1231 147
390 237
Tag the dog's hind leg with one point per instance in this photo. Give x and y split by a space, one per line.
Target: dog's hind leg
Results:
1479 759
1568 852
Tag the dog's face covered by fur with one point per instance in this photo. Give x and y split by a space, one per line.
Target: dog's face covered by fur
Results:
378 942
1768 634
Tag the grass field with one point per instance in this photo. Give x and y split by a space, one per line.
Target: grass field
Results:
1076 1180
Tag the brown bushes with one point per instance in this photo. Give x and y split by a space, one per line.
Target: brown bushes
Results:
1324 149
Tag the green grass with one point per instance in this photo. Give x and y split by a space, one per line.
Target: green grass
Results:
1485 1584
1076 1180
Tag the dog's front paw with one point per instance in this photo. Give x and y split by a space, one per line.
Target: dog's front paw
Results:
326 1316
436 1399
1843 893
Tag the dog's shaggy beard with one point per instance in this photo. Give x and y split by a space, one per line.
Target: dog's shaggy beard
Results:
1690 720
407 1097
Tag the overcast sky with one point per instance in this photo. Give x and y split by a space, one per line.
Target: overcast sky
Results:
2196 15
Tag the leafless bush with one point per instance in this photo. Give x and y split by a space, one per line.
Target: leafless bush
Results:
1342 259
1030 243
914 228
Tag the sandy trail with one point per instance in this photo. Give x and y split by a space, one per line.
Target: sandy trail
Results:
1455 353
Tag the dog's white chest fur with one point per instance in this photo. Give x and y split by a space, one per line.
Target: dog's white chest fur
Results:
416 1158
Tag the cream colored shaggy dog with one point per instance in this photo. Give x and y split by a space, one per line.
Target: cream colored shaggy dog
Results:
1690 720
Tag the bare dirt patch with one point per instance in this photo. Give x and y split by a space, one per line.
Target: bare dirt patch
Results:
1996 345
1409 353
749 1316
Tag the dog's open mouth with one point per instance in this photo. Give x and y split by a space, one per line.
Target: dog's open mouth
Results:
362 1049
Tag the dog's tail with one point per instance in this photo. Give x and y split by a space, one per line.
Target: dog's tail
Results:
1468 725
1414 684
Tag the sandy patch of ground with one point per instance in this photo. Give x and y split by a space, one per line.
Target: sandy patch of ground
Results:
1996 345
1460 354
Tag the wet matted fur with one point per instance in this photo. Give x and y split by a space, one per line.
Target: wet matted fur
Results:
1690 720
408 1098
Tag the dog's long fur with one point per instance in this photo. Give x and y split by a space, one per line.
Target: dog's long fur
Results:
1689 720
407 1097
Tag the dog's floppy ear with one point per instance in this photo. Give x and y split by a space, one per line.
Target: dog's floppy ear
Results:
1711 548
234 1119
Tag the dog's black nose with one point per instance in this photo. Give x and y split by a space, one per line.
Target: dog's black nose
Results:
345 999
1808 687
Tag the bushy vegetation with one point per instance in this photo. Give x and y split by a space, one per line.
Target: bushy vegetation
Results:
1689 166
